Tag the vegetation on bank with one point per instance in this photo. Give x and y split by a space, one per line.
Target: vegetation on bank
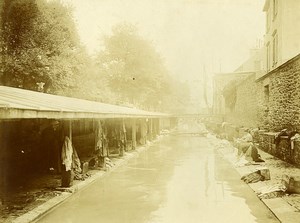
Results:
40 44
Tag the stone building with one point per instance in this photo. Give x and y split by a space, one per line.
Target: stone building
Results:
252 97
279 96
276 82
243 94
220 80
234 95
267 96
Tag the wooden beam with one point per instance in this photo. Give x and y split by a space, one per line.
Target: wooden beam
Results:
133 123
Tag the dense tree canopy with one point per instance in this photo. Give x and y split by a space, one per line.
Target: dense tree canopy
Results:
135 71
134 68
40 44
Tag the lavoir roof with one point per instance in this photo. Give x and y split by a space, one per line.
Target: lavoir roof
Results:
16 103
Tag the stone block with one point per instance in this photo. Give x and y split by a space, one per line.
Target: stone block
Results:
67 178
292 184
265 172
84 167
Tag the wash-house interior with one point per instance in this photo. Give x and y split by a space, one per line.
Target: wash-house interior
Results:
47 140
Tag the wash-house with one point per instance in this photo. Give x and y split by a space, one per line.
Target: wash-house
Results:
37 131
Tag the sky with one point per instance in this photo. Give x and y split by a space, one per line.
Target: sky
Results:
189 34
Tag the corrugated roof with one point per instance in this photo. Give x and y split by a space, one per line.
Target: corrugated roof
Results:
20 103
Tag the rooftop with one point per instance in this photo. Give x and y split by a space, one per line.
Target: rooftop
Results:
16 103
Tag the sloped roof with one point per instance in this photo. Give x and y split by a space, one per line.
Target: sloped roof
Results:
18 103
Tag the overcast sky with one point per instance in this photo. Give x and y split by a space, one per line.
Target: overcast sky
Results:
189 34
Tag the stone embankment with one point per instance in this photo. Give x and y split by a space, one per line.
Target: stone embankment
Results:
273 192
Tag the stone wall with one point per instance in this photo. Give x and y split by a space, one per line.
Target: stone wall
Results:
275 111
245 110
272 104
281 110
219 82
282 149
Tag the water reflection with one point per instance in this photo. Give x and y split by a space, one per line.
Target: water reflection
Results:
180 179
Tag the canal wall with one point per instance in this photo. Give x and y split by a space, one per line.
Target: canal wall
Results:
270 106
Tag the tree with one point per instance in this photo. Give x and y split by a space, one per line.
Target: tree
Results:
134 69
40 44
178 99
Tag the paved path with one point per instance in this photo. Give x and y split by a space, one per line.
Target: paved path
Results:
179 179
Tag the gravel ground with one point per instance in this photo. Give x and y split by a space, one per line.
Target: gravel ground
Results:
23 200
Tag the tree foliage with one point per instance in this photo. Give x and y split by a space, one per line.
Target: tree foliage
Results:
134 69
40 44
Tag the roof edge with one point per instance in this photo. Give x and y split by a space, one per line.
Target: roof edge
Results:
278 68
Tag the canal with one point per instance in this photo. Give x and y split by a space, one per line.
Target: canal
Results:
180 178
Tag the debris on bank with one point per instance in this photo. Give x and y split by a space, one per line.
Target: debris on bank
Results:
280 178
272 191
261 174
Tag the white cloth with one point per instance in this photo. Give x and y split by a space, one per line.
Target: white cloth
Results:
98 137
296 137
66 153
247 137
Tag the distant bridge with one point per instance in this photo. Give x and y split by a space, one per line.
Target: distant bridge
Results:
200 116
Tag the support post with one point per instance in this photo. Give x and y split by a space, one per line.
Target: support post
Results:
133 123
122 137
151 129
143 131
67 176
70 130
159 125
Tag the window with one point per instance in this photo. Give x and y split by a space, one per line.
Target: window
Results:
275 48
268 56
275 8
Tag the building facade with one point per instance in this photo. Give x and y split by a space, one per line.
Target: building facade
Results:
282 36
268 98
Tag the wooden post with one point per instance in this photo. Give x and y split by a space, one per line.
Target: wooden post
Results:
133 122
70 130
159 125
154 126
104 143
125 136
99 145
67 176
143 131
122 134
151 129
3 161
